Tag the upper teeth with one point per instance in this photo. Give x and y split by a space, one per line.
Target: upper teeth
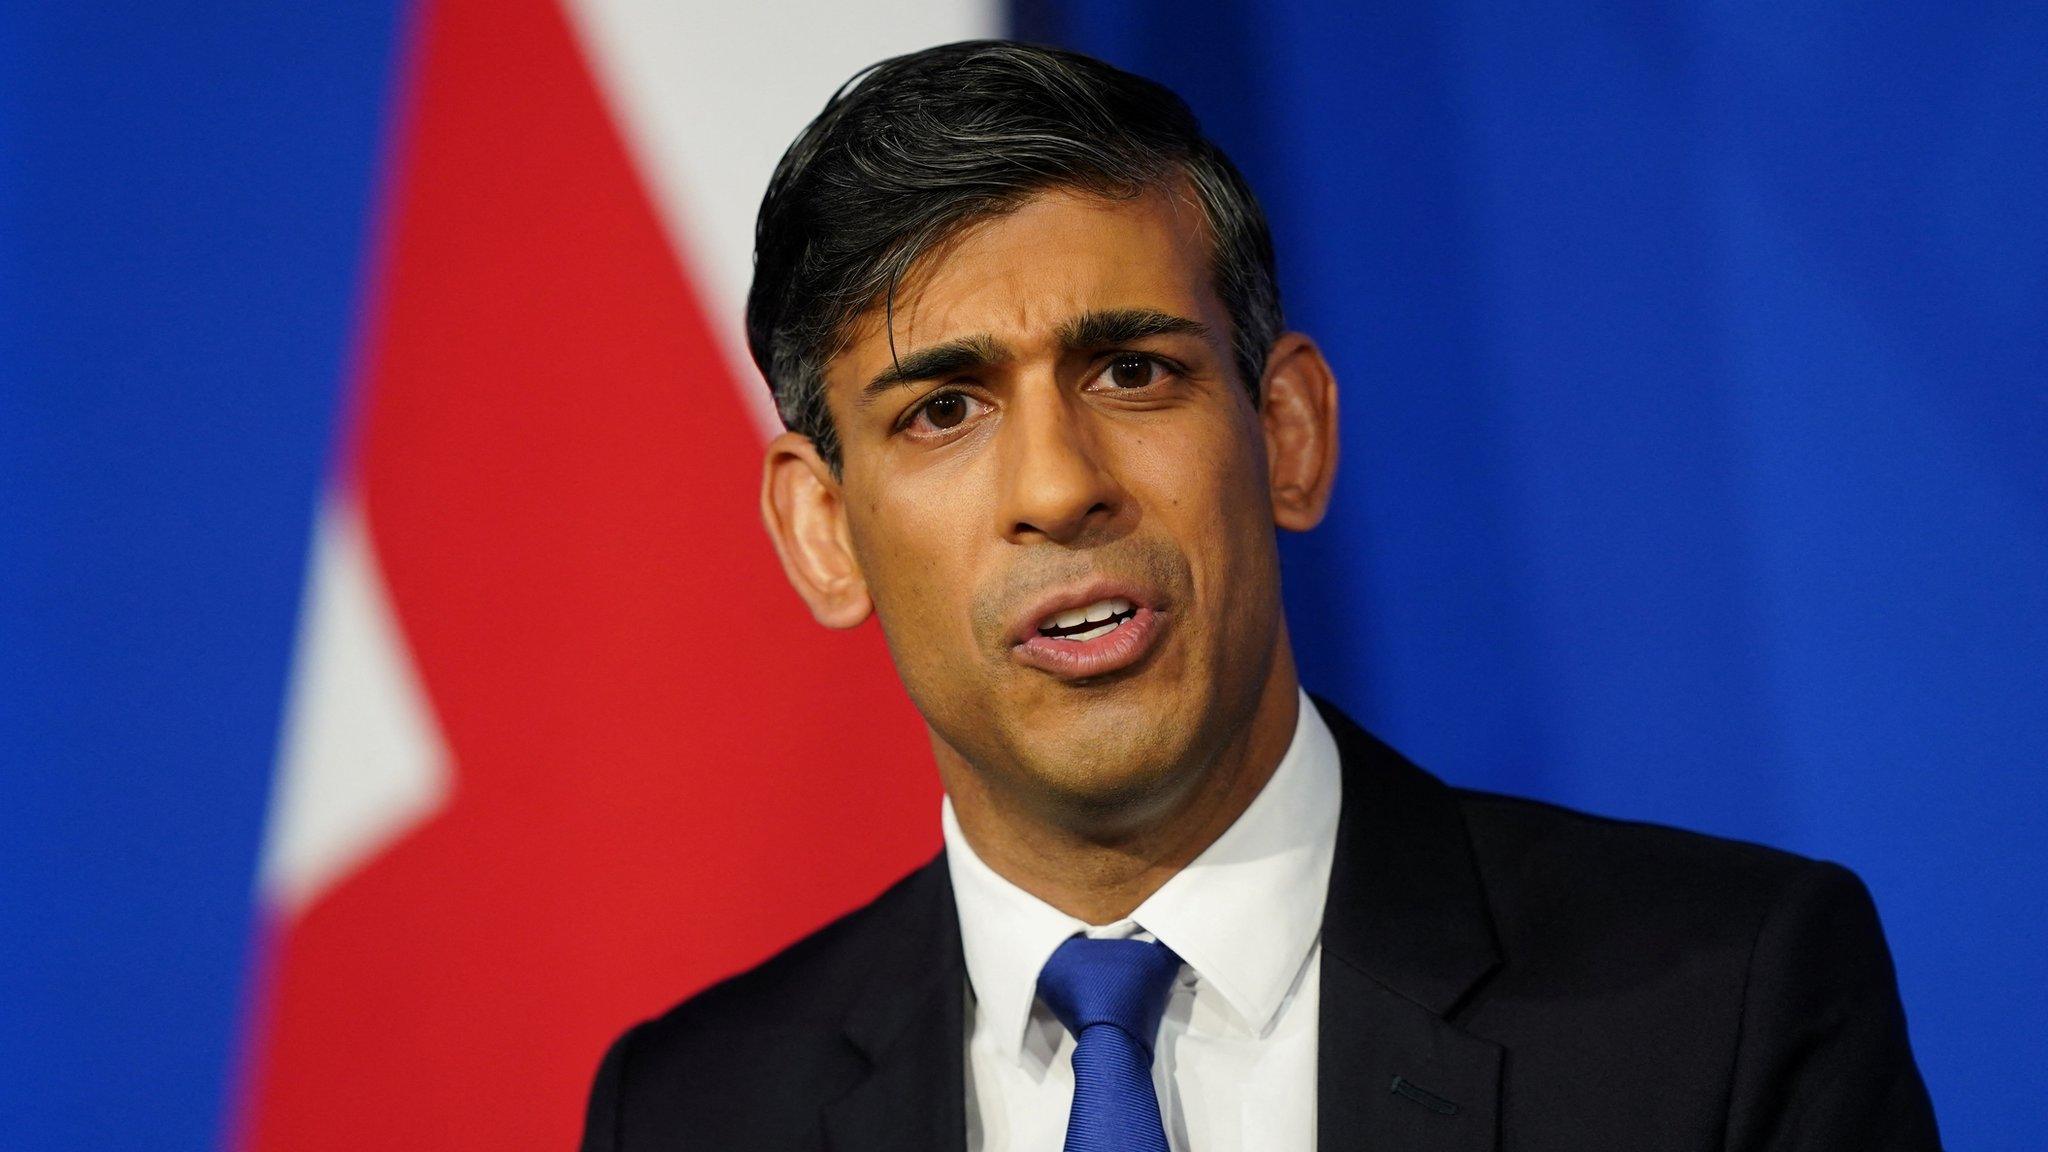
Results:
1100 610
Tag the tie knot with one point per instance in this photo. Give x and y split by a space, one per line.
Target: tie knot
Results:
1118 982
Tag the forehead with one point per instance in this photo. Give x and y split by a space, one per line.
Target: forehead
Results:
1019 276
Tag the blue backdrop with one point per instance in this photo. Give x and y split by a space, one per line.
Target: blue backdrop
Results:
1696 463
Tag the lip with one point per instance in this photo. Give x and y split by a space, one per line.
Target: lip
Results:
1082 659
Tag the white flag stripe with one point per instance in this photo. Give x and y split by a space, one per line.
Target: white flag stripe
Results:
709 94
362 760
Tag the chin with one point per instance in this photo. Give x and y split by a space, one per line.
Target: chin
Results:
1096 771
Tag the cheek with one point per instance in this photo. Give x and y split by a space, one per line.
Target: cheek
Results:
918 560
1205 486
1204 477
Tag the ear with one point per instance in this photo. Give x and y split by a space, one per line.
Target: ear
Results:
1298 405
805 514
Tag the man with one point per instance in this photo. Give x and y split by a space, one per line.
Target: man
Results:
1044 421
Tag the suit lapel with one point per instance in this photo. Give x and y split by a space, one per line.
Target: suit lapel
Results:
1406 938
909 1025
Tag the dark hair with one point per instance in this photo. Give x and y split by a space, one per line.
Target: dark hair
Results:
913 149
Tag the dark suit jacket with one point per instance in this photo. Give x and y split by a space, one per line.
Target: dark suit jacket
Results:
1497 974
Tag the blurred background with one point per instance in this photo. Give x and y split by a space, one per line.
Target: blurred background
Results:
398 697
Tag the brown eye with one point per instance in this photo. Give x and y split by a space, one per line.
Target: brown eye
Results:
946 410
1131 371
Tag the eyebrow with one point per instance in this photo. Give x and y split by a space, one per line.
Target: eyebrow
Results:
1088 332
1093 330
930 363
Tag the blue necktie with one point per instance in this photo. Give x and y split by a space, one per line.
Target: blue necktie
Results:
1110 994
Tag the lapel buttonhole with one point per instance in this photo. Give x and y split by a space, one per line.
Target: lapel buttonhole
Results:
1403 1087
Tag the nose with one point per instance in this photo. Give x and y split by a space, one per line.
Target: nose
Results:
1055 487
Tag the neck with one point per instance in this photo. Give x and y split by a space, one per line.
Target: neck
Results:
1100 877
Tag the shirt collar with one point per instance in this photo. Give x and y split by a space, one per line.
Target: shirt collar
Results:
1243 914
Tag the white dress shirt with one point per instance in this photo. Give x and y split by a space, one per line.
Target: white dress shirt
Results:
1235 1060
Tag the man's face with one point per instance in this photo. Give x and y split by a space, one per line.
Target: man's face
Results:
1056 492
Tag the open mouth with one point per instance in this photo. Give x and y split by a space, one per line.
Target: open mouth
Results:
1092 639
1089 622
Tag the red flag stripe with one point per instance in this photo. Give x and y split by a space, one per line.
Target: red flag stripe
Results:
663 769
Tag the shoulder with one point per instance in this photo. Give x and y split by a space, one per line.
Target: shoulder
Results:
1643 976
1553 878
1759 972
1548 868
735 1054
813 982
1709 930
1532 840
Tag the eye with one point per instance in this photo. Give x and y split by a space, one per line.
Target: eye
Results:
1128 370
942 412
